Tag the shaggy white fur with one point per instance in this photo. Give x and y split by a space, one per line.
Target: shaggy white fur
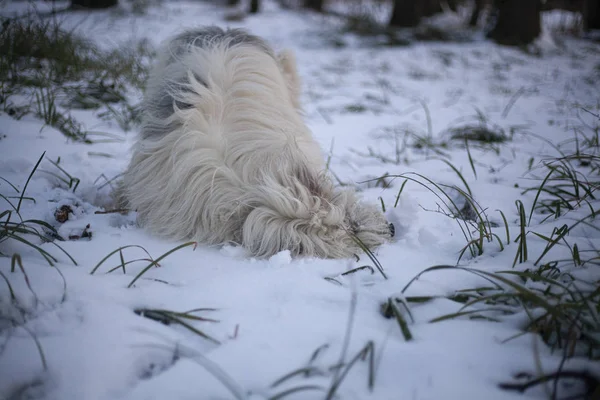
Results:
224 156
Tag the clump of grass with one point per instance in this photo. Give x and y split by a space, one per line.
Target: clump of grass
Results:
565 186
547 297
42 59
477 133
558 307
471 218
28 232
481 132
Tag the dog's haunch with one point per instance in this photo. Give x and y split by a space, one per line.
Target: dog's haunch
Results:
224 156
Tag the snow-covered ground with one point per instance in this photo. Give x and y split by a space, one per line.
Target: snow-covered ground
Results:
368 107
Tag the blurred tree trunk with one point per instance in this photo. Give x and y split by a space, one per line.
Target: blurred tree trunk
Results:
431 7
93 3
591 14
518 22
233 3
316 5
406 13
477 8
254 6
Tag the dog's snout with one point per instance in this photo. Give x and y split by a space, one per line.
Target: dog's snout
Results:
392 229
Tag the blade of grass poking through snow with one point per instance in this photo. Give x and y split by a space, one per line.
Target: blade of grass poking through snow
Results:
522 238
16 260
64 296
38 345
428 118
448 163
471 162
329 155
560 232
512 101
28 179
367 351
116 251
400 192
464 229
10 289
537 195
346 342
122 260
26 228
443 267
306 371
72 180
54 233
166 317
120 266
505 226
10 184
400 319
8 212
47 256
153 263
369 253
468 313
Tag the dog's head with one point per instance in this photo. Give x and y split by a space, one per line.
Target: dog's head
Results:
309 217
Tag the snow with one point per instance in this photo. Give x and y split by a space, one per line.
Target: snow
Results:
273 314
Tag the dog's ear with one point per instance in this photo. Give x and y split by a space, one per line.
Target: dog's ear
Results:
287 63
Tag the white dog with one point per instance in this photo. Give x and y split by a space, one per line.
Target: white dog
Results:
224 156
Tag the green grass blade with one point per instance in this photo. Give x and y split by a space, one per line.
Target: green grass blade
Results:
153 263
28 179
